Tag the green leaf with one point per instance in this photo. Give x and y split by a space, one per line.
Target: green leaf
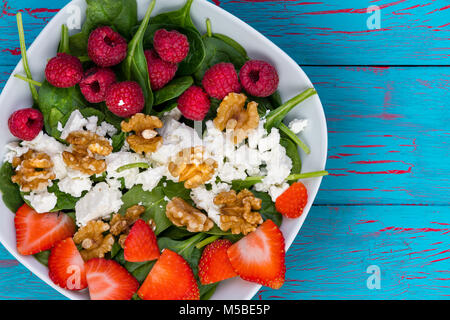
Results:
176 189
232 43
64 42
118 141
65 200
135 65
154 203
173 89
268 210
42 257
10 191
180 17
121 15
139 270
206 291
292 152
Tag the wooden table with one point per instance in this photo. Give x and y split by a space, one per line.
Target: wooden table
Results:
386 97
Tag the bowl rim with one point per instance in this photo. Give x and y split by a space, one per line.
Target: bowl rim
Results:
220 11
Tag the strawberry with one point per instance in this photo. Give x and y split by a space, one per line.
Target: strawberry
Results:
292 201
171 278
214 265
66 266
108 280
36 232
259 256
140 244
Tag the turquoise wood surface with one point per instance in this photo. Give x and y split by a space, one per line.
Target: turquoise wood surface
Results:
386 202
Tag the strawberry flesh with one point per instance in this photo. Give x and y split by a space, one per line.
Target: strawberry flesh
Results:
140 244
214 265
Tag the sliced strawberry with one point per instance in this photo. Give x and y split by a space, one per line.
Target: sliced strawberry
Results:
171 278
108 280
259 256
140 244
36 232
214 265
66 266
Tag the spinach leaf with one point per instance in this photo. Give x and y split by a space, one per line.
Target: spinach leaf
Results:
173 89
134 66
65 201
207 290
219 51
176 233
42 257
139 270
268 210
119 14
118 141
180 17
292 152
154 203
196 53
10 191
64 42
176 189
57 103
232 43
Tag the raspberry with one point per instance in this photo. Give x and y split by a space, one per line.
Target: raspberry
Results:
194 103
106 47
64 71
95 83
220 80
26 123
171 46
292 202
259 78
160 71
125 99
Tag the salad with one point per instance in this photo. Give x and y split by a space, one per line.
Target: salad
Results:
154 162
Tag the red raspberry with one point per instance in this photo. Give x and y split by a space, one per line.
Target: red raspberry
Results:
220 80
64 71
106 47
95 83
194 103
160 71
26 123
125 99
292 202
171 46
259 78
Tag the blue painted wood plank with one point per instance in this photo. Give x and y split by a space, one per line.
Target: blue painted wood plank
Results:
312 32
330 256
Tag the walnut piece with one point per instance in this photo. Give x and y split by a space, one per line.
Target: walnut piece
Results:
182 214
120 223
85 145
190 166
93 242
232 115
34 170
145 138
238 211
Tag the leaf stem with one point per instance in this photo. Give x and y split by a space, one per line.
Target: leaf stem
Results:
142 165
31 81
291 177
275 117
64 42
294 137
23 51
207 241
191 241
209 28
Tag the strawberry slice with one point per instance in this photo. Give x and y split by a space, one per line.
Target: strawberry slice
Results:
214 265
36 232
108 280
171 278
66 266
140 245
259 256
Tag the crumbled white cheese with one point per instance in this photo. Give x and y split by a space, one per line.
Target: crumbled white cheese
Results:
91 124
75 122
100 202
118 159
151 177
204 199
276 190
298 125
42 202
174 114
13 149
106 128
75 186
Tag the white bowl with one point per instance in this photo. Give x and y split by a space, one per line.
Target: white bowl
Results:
293 80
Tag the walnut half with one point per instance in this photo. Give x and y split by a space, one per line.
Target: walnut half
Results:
232 115
33 172
238 211
92 240
182 214
145 138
